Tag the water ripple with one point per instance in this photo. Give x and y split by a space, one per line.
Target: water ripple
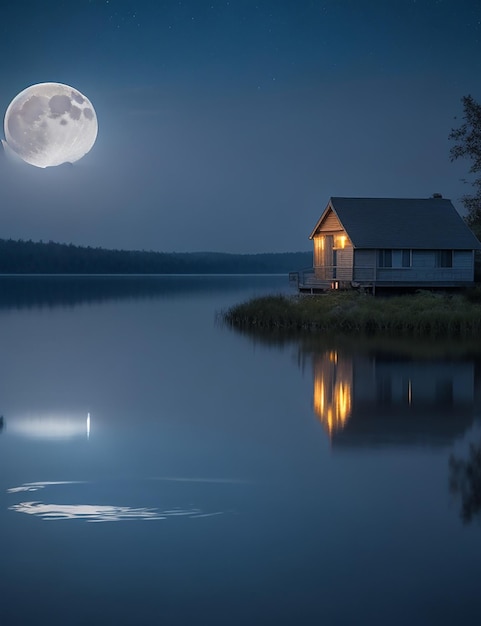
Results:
42 485
97 512
102 513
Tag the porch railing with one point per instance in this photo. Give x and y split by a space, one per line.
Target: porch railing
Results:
329 277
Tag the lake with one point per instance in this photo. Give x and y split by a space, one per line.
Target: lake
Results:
158 467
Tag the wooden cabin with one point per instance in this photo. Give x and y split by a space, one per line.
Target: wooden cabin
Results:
390 242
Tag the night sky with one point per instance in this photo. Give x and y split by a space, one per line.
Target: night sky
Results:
226 126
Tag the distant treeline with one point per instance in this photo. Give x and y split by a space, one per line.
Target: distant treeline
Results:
29 257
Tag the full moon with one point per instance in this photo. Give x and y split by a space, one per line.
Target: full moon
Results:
49 124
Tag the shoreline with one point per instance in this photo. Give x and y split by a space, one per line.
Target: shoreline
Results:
423 314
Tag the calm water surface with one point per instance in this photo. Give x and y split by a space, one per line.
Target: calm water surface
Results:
159 468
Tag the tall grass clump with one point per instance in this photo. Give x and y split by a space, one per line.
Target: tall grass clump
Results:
422 314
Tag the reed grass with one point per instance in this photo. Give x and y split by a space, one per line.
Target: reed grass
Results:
423 314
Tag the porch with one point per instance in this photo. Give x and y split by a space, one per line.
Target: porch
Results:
320 280
312 281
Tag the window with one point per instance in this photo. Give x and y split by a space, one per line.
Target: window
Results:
318 250
399 258
385 258
444 258
406 258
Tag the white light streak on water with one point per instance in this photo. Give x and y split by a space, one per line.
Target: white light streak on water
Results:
59 426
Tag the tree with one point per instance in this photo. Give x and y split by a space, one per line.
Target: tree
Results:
468 146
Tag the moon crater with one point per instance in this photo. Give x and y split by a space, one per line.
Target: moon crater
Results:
49 124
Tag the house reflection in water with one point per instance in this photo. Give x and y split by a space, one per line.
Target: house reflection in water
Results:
332 389
381 399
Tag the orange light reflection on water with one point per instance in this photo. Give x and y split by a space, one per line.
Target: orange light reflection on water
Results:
332 390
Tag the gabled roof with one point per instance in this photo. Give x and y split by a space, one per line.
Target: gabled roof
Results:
425 223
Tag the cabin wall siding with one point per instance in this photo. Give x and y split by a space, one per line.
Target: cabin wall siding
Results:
423 259
364 265
463 259
423 268
344 263
332 263
331 223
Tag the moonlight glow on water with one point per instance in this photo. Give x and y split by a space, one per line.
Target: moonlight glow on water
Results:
51 426
49 124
